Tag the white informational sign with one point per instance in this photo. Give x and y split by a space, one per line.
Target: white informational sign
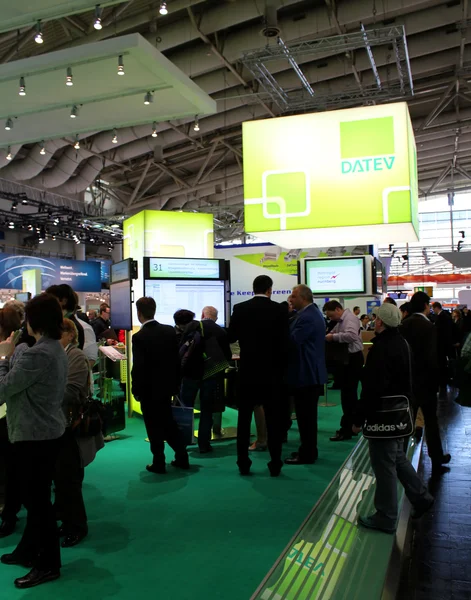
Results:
338 276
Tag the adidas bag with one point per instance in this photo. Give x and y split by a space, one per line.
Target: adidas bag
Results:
392 420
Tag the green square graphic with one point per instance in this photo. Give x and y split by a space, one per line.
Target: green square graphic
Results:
289 186
368 137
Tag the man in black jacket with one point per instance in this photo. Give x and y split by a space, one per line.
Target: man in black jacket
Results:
261 327
387 373
154 382
421 335
444 326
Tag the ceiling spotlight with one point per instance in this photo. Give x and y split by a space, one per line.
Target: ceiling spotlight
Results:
9 155
120 65
9 124
11 225
115 226
14 205
163 8
43 149
74 112
148 98
77 143
77 241
22 90
97 23
24 201
196 126
41 240
53 238
115 137
154 129
69 80
30 227
38 38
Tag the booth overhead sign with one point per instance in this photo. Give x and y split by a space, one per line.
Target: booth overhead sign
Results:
348 173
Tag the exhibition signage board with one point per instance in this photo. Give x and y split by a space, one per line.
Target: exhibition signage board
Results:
348 175
183 268
81 275
164 234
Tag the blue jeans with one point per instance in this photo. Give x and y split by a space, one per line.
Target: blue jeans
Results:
209 393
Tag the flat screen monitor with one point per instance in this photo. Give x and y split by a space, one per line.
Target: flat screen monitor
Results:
194 295
121 271
184 268
379 283
23 297
120 305
336 276
398 295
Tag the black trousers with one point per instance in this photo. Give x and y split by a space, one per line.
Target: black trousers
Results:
349 390
161 427
306 403
40 543
271 398
12 484
68 478
426 399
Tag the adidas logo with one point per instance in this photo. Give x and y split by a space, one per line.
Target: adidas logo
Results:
377 427
401 426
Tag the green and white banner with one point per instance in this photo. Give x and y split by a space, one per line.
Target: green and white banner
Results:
340 177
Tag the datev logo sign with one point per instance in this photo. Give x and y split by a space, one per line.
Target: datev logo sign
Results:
367 145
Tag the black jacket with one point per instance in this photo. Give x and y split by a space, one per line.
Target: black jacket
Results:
444 325
261 327
386 373
421 334
99 327
155 369
212 329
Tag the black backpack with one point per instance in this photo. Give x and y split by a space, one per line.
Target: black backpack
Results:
192 352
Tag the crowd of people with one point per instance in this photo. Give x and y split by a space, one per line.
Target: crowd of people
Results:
47 350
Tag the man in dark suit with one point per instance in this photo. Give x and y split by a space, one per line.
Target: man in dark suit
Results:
421 335
444 325
307 373
262 329
154 381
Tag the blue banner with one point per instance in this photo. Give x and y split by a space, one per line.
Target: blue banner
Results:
371 305
81 275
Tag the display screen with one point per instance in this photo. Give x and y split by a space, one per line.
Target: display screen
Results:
336 276
194 295
378 277
23 297
121 271
183 268
120 305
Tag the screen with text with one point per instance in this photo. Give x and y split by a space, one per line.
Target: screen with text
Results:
342 276
173 295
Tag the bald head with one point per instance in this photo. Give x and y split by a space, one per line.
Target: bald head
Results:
209 312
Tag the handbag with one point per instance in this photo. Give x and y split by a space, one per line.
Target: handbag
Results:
184 417
393 419
89 421
215 360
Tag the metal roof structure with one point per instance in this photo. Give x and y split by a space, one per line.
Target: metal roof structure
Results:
314 55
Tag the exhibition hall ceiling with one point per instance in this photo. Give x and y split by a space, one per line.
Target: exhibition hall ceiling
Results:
192 161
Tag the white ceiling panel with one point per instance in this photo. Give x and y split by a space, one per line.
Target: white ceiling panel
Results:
105 99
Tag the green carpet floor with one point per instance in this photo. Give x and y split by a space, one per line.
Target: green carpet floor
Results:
206 533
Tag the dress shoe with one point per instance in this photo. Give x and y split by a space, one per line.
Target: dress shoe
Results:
445 459
340 437
244 470
72 539
157 470
180 464
206 450
373 522
275 470
36 577
14 559
419 510
297 460
7 528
